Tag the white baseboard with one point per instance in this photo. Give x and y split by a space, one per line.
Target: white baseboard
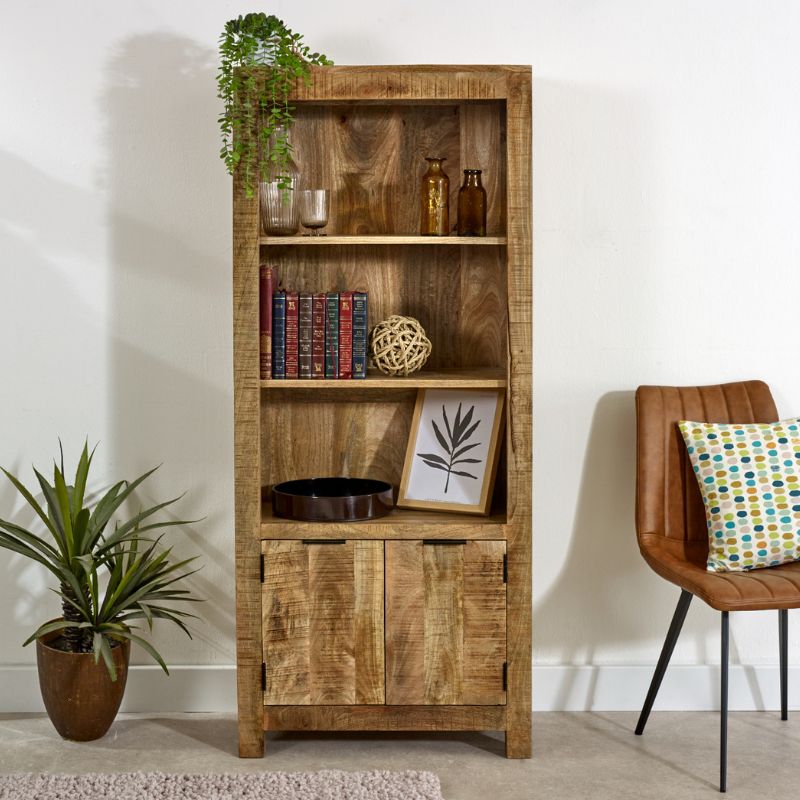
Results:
555 688
685 688
188 688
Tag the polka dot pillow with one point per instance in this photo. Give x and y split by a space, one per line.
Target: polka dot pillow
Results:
749 477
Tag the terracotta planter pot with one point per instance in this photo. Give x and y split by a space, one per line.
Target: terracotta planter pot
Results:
79 695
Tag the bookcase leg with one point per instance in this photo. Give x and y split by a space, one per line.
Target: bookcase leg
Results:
251 711
251 740
518 742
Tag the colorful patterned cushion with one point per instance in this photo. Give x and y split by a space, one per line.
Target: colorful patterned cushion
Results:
749 477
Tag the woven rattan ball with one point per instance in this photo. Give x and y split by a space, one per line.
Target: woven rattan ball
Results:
399 346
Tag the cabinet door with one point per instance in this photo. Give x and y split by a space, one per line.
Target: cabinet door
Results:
445 623
322 609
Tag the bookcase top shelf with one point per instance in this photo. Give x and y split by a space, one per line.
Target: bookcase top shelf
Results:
468 378
323 241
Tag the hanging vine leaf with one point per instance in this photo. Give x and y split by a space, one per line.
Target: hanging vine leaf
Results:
458 434
256 114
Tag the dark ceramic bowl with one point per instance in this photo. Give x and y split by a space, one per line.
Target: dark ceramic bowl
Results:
332 499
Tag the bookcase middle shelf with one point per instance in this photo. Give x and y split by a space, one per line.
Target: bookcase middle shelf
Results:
466 378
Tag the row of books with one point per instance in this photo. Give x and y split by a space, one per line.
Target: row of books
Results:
309 335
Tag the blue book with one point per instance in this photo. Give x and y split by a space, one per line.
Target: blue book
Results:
279 335
359 334
332 335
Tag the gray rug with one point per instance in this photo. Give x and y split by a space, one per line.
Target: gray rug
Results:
324 785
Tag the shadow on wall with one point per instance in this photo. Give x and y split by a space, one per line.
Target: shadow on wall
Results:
170 303
44 227
605 596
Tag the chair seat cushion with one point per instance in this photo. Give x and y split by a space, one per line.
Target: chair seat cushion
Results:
749 479
684 564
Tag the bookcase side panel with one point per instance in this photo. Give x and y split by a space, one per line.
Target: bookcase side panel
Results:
518 450
247 480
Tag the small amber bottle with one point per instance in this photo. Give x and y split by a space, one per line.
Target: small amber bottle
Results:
472 205
435 200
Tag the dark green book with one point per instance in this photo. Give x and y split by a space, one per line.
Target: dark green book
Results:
332 335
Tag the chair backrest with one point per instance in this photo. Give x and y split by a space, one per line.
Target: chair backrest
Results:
668 501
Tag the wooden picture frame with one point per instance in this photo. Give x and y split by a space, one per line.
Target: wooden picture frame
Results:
453 424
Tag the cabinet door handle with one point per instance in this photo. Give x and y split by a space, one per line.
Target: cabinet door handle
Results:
324 541
444 541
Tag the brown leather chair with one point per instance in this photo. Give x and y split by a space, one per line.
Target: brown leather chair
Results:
671 524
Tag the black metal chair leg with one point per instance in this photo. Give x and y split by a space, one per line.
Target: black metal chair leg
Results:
723 708
783 635
663 660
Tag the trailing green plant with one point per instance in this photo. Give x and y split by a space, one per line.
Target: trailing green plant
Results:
108 577
256 111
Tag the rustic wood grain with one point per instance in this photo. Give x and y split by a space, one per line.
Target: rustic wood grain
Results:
405 622
421 282
484 651
335 433
483 148
518 431
475 302
247 496
385 718
331 596
286 622
371 158
445 623
443 579
368 622
323 622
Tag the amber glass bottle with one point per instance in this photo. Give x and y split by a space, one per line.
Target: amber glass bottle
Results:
435 200
472 205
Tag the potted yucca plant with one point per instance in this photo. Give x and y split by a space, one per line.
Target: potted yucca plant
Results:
109 577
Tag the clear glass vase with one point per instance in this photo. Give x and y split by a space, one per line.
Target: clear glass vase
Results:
278 200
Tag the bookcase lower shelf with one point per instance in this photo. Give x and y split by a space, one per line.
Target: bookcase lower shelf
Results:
398 524
385 718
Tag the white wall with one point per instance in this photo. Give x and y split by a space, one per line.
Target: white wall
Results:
666 174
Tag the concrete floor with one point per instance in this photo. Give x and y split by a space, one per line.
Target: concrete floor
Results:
576 755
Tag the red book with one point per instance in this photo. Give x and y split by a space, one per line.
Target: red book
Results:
318 312
268 283
345 335
292 330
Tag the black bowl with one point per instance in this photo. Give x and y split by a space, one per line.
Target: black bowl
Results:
332 499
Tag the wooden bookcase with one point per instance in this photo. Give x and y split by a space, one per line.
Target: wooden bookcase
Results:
384 632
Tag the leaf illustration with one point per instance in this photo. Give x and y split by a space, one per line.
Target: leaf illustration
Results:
465 436
464 424
465 449
447 423
442 440
432 457
454 444
433 464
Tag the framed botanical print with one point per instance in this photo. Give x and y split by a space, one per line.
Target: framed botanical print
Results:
453 448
